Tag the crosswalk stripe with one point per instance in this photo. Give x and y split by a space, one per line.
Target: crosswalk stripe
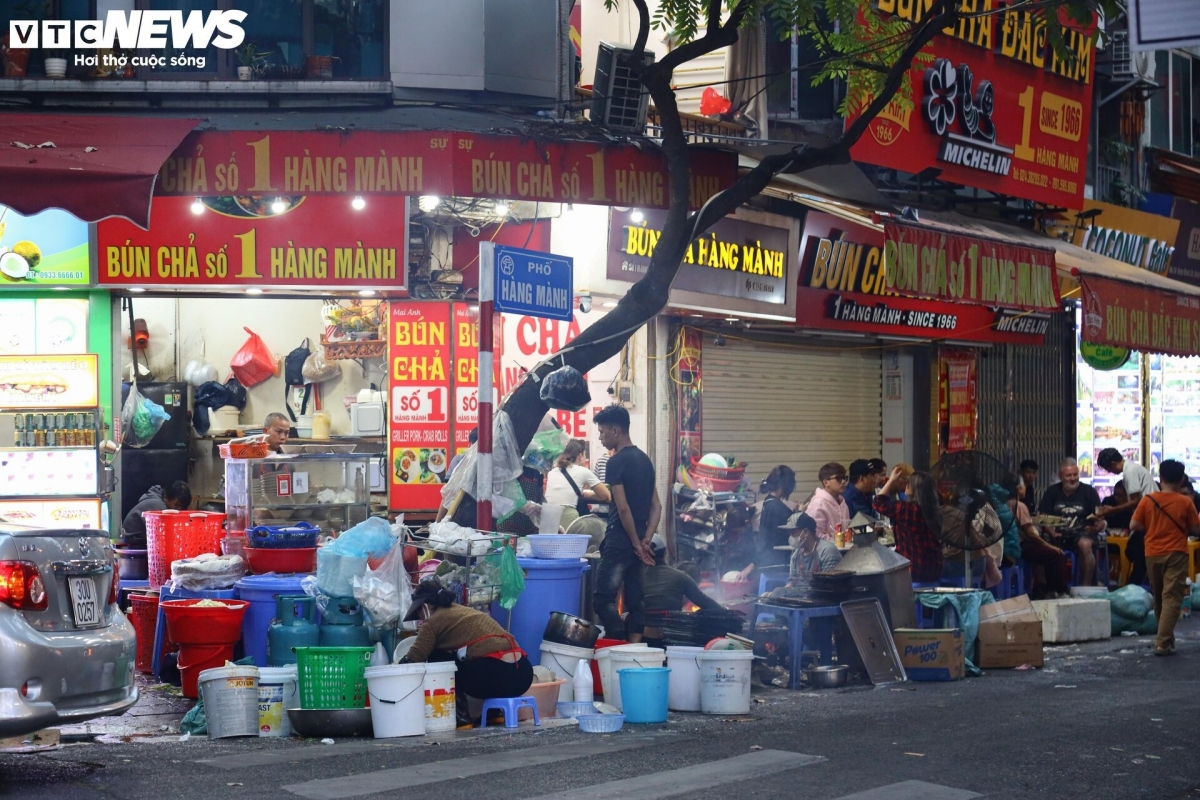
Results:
673 783
912 790
437 771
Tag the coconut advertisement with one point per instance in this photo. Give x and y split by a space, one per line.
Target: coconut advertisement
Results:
46 249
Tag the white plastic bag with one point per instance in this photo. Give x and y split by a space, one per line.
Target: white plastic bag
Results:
385 593
207 571
506 463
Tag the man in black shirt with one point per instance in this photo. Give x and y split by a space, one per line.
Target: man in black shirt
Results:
1029 474
632 520
1076 503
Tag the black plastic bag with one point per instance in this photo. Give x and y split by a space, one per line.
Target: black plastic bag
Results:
215 395
566 389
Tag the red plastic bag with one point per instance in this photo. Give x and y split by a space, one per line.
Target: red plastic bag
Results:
253 363
713 104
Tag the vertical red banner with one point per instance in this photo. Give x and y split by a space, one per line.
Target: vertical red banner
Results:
961 400
419 411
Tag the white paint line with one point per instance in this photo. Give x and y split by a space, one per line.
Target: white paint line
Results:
686 780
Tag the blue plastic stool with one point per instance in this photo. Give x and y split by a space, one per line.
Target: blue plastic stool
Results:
127 586
1012 583
509 706
770 577
160 627
820 627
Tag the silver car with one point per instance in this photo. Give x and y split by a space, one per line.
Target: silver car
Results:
67 651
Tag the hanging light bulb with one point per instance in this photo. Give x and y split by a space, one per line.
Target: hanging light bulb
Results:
358 204
278 206
428 202
637 216
197 206
501 208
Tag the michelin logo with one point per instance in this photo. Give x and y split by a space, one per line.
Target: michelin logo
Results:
130 30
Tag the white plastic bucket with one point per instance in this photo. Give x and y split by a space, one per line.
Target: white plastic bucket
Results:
439 697
626 657
683 691
278 690
725 681
603 663
562 659
230 701
397 702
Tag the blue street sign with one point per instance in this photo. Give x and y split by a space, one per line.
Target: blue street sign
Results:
535 284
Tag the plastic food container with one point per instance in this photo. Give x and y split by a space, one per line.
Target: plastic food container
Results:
280 559
600 723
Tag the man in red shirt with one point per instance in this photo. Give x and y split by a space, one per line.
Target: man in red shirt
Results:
1168 519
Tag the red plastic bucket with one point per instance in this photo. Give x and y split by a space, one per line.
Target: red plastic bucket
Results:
195 658
187 624
144 617
600 645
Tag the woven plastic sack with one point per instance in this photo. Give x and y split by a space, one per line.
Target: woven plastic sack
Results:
512 578
1130 601
253 363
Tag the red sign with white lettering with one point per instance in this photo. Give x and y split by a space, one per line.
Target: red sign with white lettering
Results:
244 242
419 348
434 163
842 287
997 109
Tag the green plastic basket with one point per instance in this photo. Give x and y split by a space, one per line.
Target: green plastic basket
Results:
332 677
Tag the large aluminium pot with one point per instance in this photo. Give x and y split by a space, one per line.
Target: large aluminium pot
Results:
570 630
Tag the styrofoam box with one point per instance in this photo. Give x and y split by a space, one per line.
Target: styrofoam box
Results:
1073 620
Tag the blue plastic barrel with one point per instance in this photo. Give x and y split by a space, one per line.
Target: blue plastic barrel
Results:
644 694
551 584
260 591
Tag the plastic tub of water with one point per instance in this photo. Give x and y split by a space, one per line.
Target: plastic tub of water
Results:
684 690
644 694
545 695
397 700
278 692
629 657
725 681
563 659
439 696
230 701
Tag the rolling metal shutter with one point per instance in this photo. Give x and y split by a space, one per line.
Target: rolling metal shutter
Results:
1035 417
768 403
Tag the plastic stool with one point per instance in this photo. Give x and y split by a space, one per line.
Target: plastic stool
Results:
160 627
1012 583
509 706
821 632
770 577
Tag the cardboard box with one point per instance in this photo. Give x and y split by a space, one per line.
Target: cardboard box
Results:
1007 643
930 655
1010 634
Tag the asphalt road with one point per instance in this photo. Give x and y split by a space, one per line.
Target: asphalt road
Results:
1101 720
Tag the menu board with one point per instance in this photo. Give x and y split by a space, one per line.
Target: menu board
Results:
73 513
1108 414
40 382
419 403
1175 428
44 473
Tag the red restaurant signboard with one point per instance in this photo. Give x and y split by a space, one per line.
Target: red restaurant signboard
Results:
842 287
927 262
997 109
1140 318
315 242
419 410
274 163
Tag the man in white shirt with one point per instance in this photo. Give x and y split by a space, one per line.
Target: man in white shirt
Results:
1138 481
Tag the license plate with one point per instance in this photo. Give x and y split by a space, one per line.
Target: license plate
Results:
83 601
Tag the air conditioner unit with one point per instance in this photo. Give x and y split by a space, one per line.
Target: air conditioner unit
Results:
1128 64
619 101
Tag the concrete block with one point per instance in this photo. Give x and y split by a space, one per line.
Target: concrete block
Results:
1073 620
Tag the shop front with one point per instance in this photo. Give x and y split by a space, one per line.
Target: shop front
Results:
54 347
1140 400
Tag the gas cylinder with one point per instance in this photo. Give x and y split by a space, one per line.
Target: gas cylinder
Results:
290 629
342 624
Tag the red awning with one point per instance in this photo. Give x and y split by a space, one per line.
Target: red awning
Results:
98 166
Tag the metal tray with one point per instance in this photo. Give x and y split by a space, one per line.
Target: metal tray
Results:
869 628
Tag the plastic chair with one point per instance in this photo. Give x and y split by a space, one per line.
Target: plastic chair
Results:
770 577
1012 583
509 706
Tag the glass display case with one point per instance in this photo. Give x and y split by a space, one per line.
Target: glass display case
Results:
331 491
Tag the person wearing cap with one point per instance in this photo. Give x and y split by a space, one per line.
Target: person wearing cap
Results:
812 554
490 663
665 590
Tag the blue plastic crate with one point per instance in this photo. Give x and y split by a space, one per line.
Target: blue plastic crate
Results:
302 534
